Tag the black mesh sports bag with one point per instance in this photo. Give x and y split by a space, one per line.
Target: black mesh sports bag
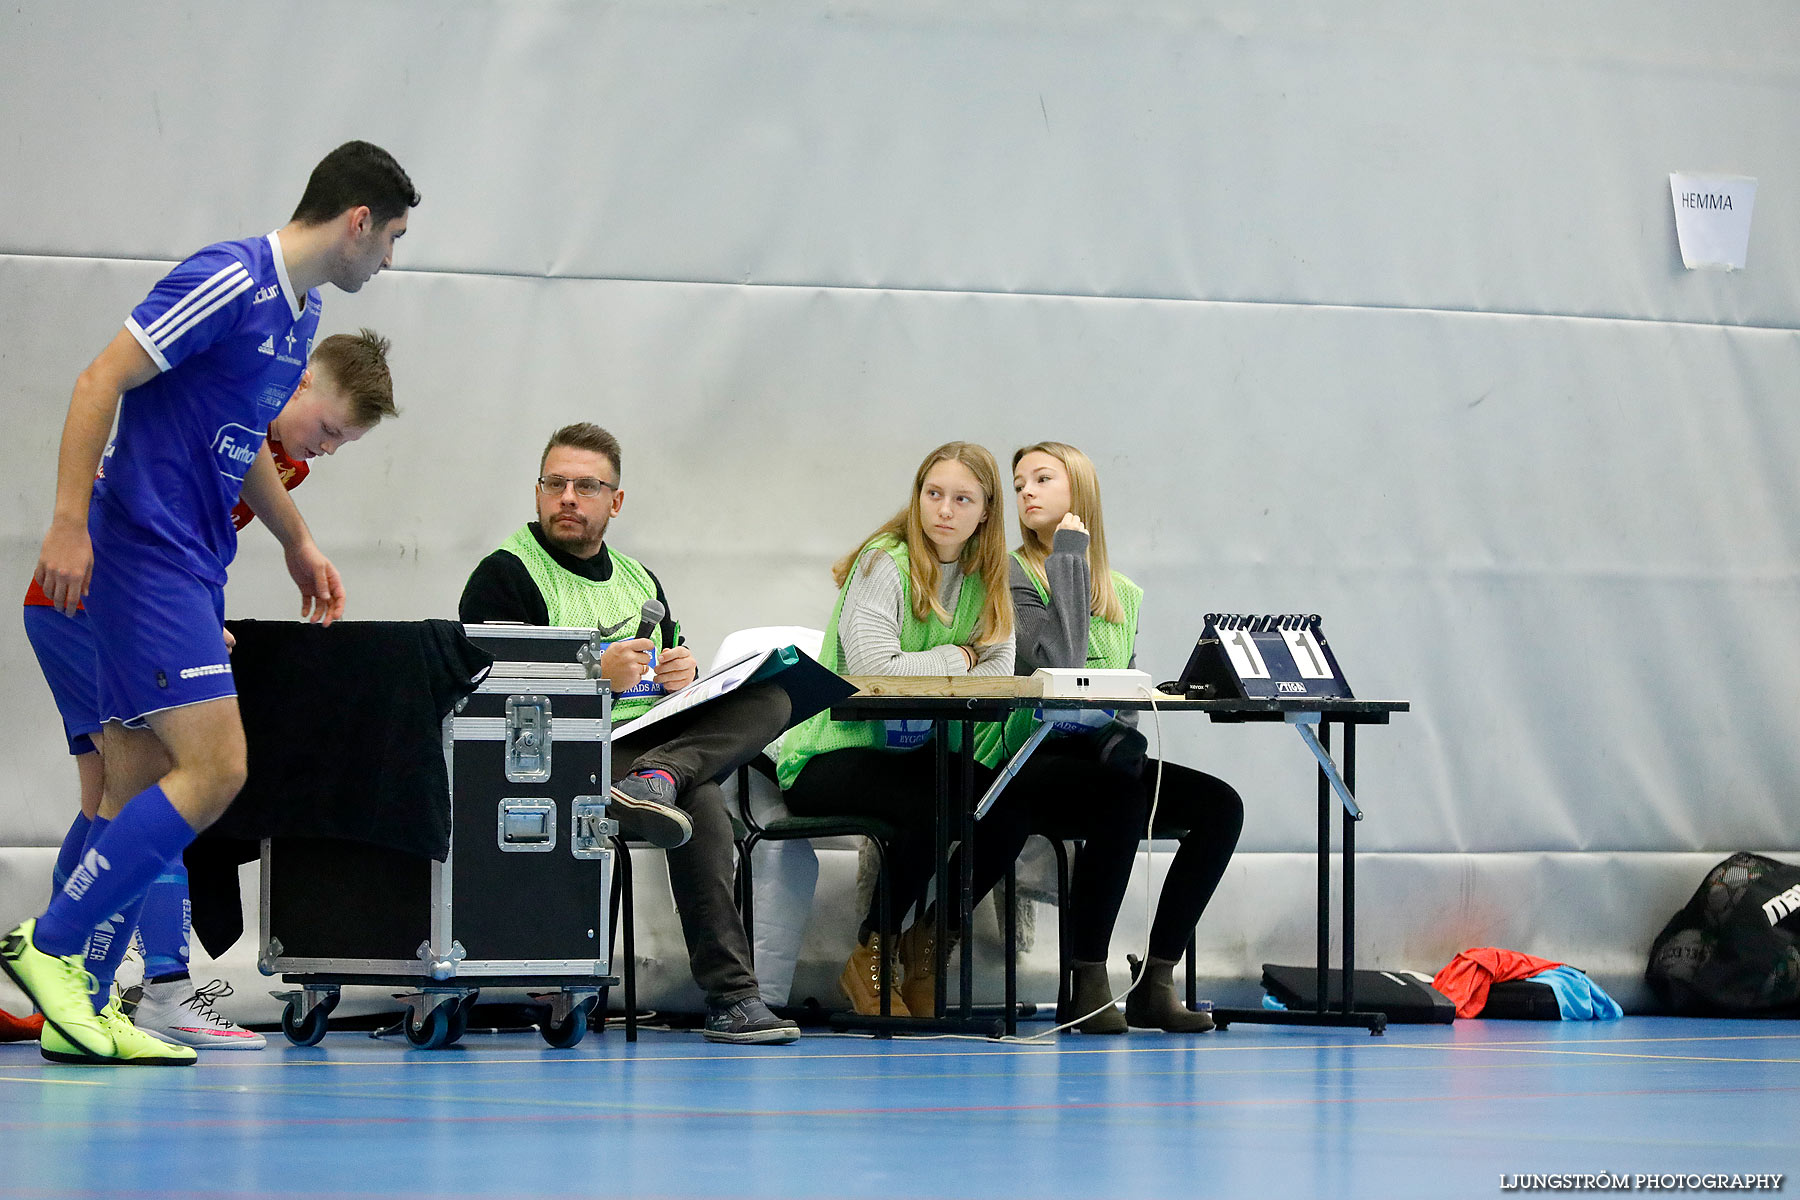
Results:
1735 949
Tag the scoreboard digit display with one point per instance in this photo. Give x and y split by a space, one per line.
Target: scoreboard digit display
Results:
1266 657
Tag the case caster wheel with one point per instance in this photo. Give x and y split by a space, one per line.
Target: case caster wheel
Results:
571 1029
459 1018
310 1029
433 1032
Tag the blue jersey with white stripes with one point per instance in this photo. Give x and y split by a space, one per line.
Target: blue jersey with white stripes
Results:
230 338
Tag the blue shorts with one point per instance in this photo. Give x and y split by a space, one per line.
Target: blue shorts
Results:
65 650
159 632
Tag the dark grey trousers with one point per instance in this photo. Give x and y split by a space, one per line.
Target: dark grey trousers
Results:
701 749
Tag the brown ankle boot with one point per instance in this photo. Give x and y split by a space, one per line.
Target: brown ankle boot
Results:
860 980
919 965
1153 1005
1089 992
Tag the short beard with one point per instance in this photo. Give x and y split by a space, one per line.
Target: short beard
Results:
585 546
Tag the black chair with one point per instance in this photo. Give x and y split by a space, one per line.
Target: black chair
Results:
880 834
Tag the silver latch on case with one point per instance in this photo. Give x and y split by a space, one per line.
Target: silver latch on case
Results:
589 827
527 739
588 654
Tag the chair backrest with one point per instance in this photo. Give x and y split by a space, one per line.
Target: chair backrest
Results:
767 637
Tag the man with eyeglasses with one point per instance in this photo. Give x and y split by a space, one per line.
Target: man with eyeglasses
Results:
558 570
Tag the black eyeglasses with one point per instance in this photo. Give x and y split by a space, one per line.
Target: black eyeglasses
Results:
587 486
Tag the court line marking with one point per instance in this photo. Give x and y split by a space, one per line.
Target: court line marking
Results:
637 1113
53 1079
1004 1049
409 1059
1643 1056
465 1056
377 1089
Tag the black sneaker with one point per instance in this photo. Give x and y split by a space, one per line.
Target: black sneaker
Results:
644 807
747 1022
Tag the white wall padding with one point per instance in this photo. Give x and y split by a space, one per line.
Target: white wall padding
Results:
1372 311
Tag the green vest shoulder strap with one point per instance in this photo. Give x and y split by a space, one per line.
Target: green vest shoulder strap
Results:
1110 643
1042 588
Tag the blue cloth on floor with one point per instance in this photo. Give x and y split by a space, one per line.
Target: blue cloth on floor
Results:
1579 998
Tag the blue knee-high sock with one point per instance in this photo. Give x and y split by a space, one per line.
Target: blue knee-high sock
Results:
107 944
116 869
166 922
73 843
106 948
96 827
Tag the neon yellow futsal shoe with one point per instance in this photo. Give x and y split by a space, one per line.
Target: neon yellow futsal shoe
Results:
132 1047
62 990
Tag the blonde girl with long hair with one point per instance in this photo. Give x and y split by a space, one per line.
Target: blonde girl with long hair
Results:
1074 610
925 594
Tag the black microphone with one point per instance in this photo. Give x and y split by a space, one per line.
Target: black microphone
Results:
650 616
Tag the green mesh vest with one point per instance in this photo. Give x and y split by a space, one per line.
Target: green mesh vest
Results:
613 607
1108 647
821 734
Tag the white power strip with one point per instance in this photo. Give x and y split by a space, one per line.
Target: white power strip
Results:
1079 682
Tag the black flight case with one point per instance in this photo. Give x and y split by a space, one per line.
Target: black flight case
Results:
520 900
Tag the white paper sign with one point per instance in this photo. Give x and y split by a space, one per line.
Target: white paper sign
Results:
1712 219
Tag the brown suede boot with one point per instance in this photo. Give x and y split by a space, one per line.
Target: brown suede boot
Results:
860 980
1088 991
1153 1005
919 965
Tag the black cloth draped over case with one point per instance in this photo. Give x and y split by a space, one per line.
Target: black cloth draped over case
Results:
344 726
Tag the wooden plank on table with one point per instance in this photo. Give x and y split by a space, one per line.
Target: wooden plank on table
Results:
945 685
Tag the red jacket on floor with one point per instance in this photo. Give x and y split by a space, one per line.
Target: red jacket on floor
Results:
1468 976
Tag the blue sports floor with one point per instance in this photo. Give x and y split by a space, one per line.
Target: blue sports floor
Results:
1253 1111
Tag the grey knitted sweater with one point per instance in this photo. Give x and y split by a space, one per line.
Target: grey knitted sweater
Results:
869 626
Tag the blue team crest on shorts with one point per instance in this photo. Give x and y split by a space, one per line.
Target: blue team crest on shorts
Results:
236 447
907 735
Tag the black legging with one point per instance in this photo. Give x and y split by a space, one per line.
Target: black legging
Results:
899 788
1208 814
1064 792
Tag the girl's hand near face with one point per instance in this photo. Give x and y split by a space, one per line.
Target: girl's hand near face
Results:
1071 521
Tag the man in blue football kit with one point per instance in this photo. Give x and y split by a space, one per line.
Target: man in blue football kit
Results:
200 369
345 391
